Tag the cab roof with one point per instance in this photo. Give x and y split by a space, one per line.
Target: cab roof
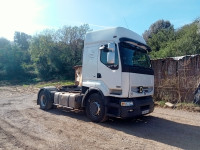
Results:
111 34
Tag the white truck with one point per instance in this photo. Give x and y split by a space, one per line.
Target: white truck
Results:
117 78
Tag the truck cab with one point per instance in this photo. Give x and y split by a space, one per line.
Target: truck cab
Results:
117 77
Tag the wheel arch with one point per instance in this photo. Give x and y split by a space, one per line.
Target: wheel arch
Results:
89 92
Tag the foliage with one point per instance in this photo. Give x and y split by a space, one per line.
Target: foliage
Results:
13 60
22 40
4 46
167 42
54 53
156 27
49 55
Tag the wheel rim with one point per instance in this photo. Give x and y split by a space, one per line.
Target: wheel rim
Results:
95 108
43 100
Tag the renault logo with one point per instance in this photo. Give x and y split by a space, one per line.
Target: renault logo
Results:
140 89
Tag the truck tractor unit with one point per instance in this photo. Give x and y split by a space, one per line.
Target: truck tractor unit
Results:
117 79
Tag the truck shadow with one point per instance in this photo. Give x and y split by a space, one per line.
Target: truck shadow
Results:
80 115
161 130
179 135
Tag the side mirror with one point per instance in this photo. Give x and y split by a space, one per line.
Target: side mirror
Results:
111 47
111 54
111 58
108 47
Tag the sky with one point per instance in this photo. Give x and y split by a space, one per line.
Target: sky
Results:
33 16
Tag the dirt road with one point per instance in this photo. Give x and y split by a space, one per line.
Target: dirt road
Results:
24 126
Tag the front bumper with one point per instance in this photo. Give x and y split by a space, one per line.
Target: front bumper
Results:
141 106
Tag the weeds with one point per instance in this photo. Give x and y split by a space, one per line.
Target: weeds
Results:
180 106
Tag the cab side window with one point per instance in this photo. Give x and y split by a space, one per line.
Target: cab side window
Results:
103 58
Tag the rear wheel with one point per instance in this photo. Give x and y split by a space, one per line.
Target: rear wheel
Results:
45 100
95 108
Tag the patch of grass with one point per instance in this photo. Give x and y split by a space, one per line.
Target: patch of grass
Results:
188 106
37 83
54 83
160 103
4 83
25 85
19 82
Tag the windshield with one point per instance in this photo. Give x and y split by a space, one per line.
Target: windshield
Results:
132 55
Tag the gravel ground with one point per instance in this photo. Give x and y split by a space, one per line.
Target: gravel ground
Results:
24 126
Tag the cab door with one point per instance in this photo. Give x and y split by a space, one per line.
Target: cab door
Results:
109 73
89 69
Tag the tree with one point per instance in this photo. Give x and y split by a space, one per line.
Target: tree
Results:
54 53
170 43
14 58
13 63
156 27
187 40
74 38
160 39
22 39
4 47
4 43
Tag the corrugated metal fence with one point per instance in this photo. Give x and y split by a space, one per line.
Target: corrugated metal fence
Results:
176 79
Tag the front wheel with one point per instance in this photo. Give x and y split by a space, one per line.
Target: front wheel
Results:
95 108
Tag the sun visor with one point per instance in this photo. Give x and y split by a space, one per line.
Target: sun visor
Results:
136 43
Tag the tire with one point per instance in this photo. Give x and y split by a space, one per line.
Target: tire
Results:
95 108
45 100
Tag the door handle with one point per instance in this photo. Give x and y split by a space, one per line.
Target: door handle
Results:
98 75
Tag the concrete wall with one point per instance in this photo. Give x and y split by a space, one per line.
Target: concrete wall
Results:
176 79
